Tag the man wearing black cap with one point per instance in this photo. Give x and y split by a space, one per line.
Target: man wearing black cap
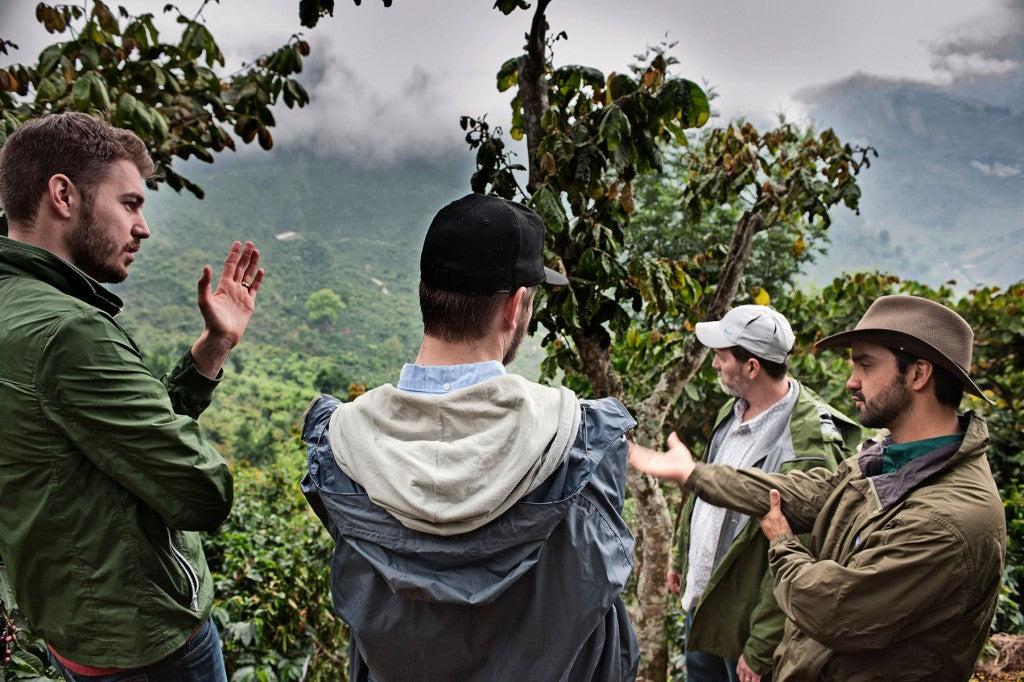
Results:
476 514
901 574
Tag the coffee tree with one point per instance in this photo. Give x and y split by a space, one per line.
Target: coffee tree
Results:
589 137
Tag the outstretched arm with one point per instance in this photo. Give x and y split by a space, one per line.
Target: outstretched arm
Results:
227 309
676 463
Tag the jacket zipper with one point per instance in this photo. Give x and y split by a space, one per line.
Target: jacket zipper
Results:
190 574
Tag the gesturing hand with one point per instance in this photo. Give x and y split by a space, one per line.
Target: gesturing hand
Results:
227 309
675 463
774 524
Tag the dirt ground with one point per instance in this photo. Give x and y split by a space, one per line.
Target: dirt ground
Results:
1007 665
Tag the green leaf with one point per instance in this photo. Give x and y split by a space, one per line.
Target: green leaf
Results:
100 97
80 94
614 127
161 131
684 101
506 7
619 85
550 209
508 74
48 59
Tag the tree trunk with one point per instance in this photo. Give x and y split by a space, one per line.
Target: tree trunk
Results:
653 524
597 363
533 91
652 516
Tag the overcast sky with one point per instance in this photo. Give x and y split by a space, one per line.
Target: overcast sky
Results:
388 80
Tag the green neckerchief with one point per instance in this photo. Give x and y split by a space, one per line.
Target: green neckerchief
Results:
898 455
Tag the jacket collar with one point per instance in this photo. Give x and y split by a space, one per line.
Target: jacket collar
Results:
891 488
25 260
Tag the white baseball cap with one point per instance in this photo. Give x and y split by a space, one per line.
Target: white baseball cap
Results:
758 329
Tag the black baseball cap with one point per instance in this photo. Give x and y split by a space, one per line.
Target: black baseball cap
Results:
483 244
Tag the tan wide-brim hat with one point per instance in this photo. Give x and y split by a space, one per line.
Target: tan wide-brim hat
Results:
922 328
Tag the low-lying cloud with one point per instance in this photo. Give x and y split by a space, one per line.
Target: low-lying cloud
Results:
996 170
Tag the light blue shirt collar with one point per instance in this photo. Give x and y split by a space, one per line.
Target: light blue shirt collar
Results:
447 378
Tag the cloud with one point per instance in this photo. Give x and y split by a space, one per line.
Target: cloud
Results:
997 169
990 45
358 115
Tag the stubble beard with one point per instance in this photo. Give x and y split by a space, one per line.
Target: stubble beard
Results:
92 253
885 408
517 336
736 390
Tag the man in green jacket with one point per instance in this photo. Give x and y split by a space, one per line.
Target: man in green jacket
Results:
774 423
104 475
900 576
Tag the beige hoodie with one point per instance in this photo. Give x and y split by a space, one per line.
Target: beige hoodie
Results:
450 463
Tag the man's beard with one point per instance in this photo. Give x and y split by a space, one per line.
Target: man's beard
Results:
883 410
93 253
737 389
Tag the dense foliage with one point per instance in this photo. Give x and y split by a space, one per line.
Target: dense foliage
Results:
644 231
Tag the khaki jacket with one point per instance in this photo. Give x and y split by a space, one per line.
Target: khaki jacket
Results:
901 574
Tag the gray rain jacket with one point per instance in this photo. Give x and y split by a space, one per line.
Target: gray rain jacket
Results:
510 555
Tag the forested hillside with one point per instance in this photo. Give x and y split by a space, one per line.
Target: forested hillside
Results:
321 224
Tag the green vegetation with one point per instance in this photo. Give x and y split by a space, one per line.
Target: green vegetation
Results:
653 236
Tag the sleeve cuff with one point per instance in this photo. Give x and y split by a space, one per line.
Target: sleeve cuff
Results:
187 377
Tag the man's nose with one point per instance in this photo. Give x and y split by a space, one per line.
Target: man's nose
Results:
140 230
853 383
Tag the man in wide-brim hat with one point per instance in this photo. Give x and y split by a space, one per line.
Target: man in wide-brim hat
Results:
901 574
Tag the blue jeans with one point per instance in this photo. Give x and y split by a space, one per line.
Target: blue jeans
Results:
705 667
198 660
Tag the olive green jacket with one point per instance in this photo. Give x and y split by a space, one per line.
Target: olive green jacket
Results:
737 613
103 472
900 576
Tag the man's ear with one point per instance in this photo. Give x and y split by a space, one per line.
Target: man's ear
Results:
755 368
510 308
61 193
919 374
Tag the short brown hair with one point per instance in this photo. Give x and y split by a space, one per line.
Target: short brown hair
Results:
775 370
455 317
77 145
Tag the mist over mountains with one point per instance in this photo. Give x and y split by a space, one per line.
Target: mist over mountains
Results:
945 198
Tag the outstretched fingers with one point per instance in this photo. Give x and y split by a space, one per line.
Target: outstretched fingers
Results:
230 270
256 280
249 265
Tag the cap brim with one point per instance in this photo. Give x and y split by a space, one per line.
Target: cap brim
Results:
710 334
911 344
555 278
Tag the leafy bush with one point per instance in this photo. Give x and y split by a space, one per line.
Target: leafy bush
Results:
271 563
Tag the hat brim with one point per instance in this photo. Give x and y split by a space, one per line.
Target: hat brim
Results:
710 334
908 344
554 278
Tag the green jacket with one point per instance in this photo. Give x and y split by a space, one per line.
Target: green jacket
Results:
900 576
737 613
103 472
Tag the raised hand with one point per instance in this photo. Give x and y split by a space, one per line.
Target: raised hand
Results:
676 463
227 309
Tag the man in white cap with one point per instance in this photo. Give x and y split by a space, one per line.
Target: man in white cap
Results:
900 576
733 622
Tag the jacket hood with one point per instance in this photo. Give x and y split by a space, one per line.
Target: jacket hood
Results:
451 463
476 566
